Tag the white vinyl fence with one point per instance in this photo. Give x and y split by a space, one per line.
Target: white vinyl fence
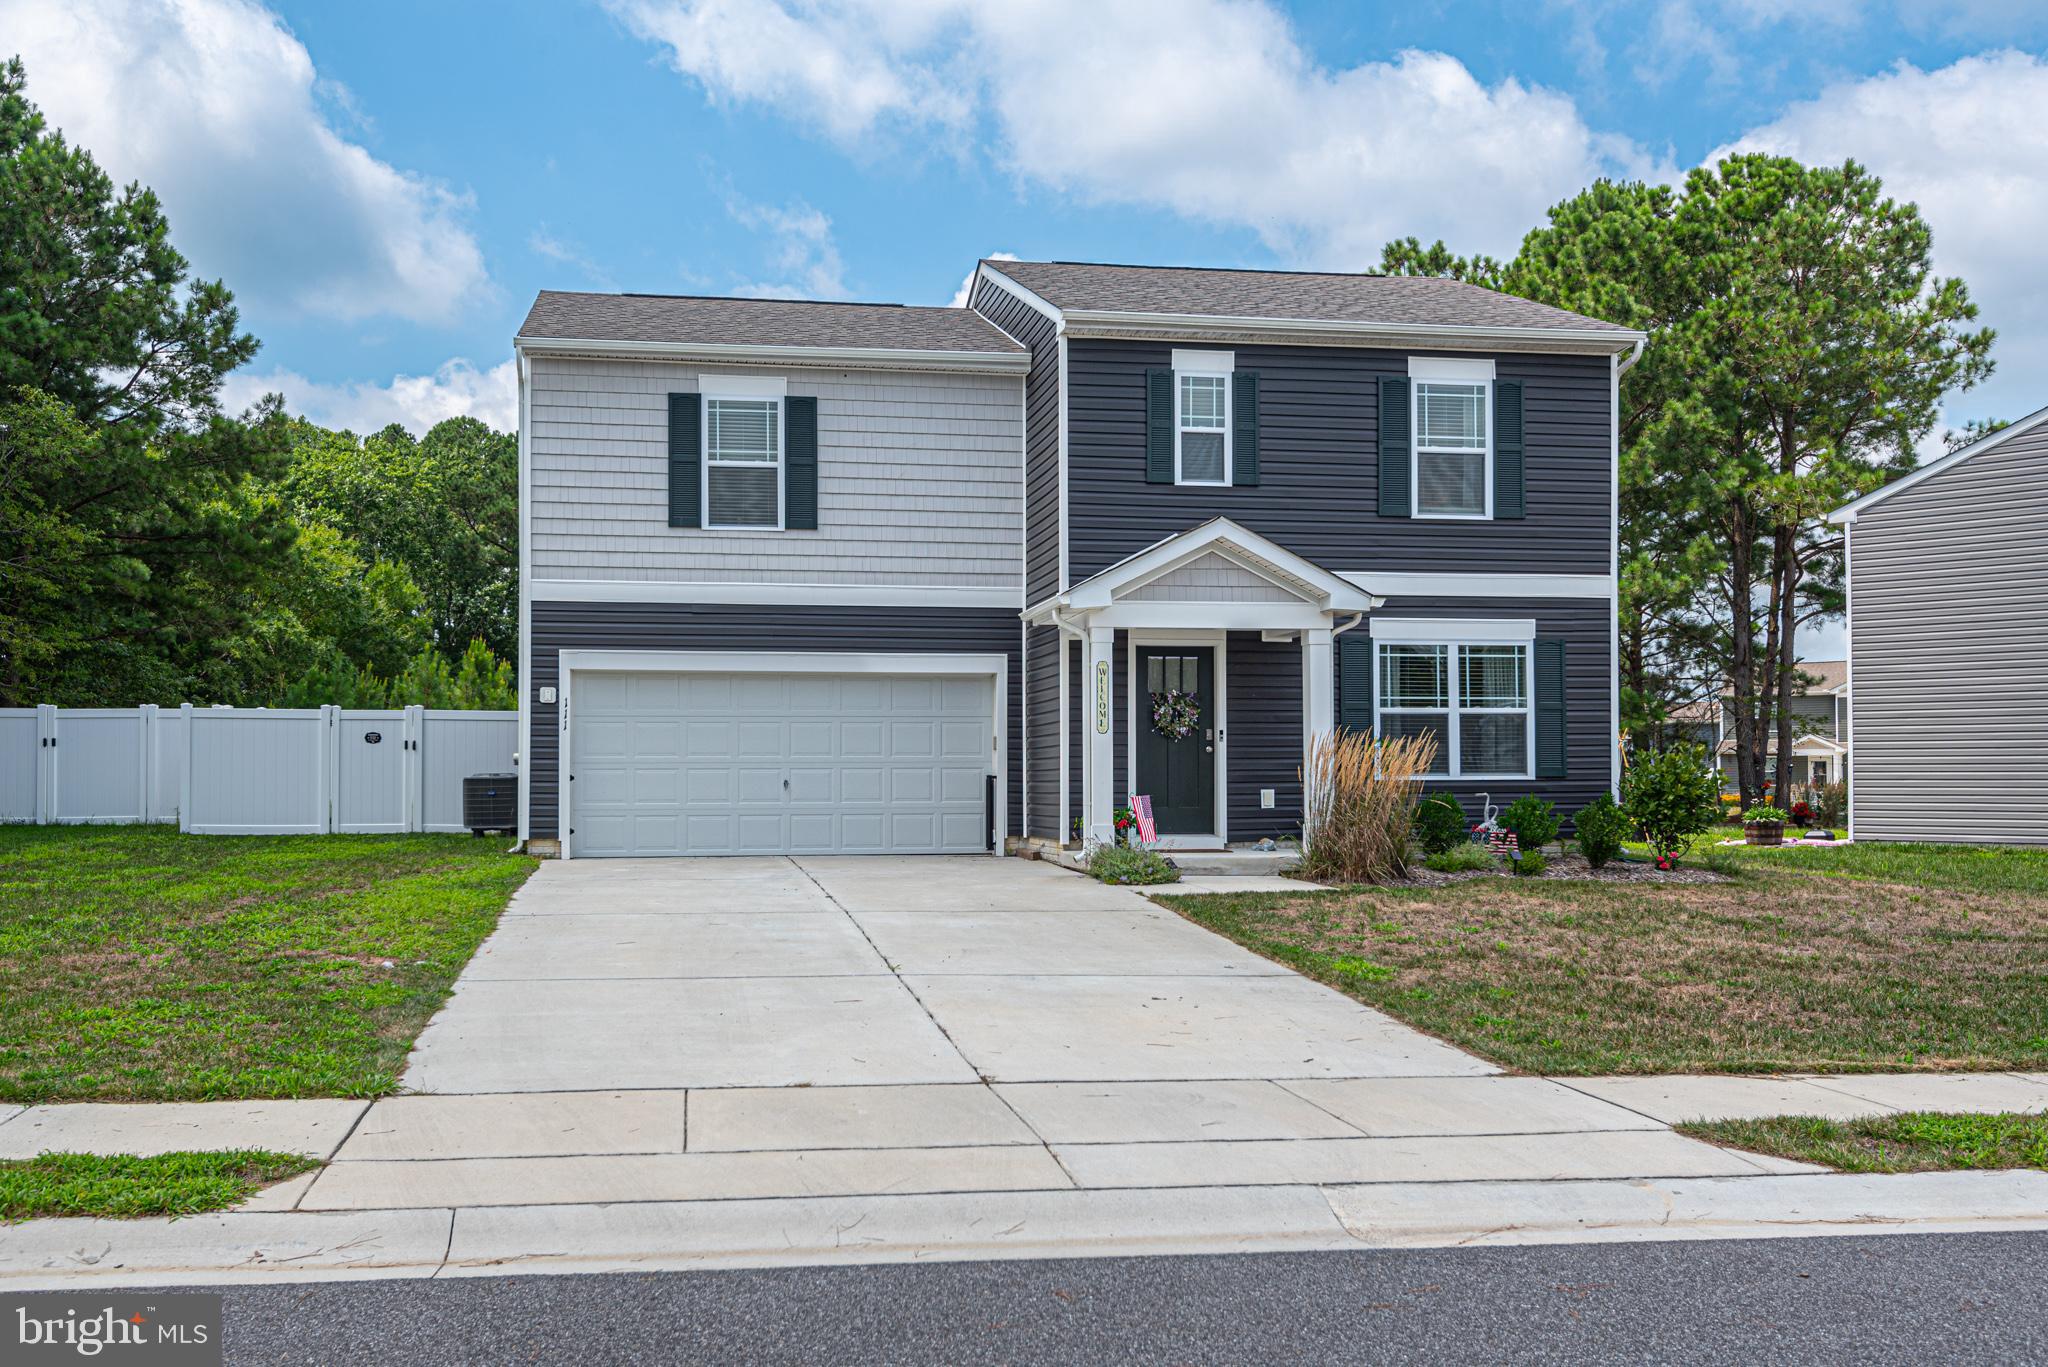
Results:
249 771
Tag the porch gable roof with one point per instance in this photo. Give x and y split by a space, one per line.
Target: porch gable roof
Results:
1303 579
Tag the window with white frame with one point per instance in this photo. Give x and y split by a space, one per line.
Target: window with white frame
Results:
1201 385
1453 437
1473 697
743 463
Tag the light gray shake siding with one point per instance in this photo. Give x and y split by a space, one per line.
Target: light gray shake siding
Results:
1948 639
920 480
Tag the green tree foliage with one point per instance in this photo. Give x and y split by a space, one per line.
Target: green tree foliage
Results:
445 507
479 682
153 547
122 521
1800 346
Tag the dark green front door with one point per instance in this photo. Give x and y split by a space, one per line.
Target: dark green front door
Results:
1178 772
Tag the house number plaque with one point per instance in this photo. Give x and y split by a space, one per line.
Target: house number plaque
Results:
1102 697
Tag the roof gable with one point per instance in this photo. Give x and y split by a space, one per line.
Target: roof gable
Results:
1847 512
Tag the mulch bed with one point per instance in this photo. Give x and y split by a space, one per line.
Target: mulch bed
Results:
1565 866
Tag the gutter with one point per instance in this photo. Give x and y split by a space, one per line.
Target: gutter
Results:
867 358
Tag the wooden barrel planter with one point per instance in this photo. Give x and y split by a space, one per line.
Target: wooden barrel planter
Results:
1764 832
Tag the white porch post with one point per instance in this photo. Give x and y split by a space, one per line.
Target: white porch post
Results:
1318 697
1098 768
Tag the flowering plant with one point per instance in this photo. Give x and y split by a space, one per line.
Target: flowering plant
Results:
1802 812
1126 822
1175 714
1764 811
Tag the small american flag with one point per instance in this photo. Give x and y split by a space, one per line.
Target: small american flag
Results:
1503 843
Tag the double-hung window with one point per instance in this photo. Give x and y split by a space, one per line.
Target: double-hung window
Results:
1473 697
1201 383
743 462
1453 474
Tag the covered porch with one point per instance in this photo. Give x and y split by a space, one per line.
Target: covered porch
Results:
1214 634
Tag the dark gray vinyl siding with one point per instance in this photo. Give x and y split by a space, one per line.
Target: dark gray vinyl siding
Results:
1041 434
1042 739
1264 736
743 626
1318 465
1583 624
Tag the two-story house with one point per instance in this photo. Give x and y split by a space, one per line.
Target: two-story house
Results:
807 577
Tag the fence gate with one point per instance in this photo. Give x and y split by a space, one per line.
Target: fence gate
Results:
376 771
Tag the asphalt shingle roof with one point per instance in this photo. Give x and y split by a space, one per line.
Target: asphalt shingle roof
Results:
1296 295
759 322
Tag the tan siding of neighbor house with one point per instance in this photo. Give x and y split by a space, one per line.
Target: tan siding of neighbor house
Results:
1949 653
920 481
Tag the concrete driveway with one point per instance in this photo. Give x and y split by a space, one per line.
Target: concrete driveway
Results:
703 1034
715 973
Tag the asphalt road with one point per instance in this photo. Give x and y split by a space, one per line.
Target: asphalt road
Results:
1874 1299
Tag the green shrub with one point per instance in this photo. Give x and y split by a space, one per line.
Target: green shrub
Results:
1462 859
1126 864
1601 827
1533 821
1531 864
1764 811
1672 797
1440 823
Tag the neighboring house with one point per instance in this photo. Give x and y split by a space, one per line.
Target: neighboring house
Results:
862 578
1820 716
1948 646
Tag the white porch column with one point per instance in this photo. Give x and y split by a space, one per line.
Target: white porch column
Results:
1098 765
1318 686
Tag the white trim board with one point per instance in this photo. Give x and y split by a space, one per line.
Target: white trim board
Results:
775 595
1452 630
1494 586
841 358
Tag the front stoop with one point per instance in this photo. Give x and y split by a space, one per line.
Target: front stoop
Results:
1239 861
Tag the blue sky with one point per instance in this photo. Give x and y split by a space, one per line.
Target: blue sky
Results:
385 185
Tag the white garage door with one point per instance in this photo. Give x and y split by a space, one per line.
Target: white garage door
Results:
778 763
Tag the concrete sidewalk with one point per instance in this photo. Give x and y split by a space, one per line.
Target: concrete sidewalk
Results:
729 1062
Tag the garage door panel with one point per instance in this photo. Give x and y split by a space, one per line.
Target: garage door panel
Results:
771 764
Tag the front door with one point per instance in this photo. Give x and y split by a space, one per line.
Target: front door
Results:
1176 737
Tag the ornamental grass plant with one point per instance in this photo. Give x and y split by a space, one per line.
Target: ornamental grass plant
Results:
1360 813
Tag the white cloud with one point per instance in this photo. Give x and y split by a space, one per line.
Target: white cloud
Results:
1208 108
545 244
966 290
217 107
457 389
801 251
1967 143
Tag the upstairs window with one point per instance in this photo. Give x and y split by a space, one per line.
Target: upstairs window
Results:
743 463
1201 416
1452 452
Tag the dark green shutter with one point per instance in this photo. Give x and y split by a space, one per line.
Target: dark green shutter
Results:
1550 732
1159 426
1354 682
800 464
1244 428
685 460
1508 479
1397 496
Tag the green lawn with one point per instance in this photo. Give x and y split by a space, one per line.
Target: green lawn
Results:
1919 1141
123 1186
1868 957
137 964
